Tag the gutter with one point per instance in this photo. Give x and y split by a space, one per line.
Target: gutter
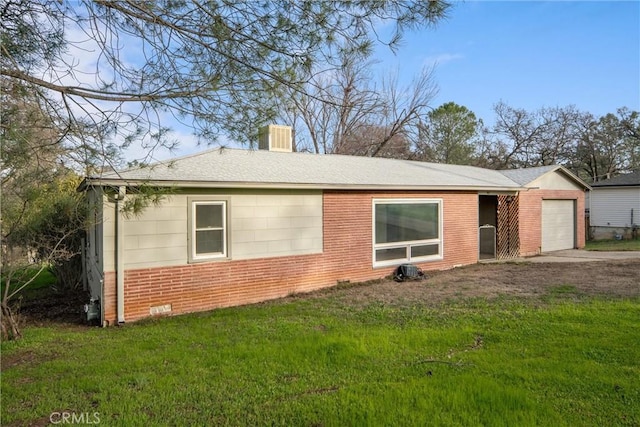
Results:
614 186
107 182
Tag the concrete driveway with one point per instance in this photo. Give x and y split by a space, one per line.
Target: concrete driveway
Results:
579 255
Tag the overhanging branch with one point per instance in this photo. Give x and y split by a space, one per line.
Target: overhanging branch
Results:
96 94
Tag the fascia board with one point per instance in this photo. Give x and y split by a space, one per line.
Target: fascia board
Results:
108 182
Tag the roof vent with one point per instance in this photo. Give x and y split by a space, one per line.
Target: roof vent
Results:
275 138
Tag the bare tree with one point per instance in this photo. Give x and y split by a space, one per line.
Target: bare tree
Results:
343 111
593 147
334 105
365 140
630 124
542 137
606 148
405 107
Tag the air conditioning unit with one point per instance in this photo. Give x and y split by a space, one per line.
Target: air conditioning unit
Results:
275 138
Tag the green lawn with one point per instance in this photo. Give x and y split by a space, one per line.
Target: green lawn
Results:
613 245
560 359
43 279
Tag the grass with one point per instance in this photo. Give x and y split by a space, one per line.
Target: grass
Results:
45 279
557 361
613 245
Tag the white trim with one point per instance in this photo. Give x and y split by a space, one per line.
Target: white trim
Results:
193 255
408 244
291 185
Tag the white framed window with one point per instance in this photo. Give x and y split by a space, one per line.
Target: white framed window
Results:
406 230
207 230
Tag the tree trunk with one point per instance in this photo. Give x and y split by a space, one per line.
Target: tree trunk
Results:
9 321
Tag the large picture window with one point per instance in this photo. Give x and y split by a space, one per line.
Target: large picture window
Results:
406 230
208 230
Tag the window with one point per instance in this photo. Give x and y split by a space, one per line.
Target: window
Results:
406 230
208 225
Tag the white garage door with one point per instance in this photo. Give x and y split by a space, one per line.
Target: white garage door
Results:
558 225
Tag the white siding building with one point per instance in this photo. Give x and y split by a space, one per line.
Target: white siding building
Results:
615 207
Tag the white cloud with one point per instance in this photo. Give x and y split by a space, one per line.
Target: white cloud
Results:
441 59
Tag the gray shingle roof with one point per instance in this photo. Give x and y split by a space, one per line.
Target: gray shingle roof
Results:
525 176
629 179
234 167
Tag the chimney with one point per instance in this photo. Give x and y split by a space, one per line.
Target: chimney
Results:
275 138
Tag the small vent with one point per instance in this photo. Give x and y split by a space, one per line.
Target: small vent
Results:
275 138
160 309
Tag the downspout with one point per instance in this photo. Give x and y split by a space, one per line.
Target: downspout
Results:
587 230
122 191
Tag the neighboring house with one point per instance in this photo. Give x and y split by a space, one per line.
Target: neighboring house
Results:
614 210
246 226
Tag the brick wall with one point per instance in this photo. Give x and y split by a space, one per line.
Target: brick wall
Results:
347 255
531 217
530 222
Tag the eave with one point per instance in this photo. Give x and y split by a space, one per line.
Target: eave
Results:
114 182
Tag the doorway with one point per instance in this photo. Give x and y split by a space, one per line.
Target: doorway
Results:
498 226
487 226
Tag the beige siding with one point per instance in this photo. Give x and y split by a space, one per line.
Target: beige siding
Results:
276 223
555 181
261 224
611 207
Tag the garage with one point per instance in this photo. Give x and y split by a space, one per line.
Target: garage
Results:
558 225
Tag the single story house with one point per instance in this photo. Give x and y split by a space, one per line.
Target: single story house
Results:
244 226
614 207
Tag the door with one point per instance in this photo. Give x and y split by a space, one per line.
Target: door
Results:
558 225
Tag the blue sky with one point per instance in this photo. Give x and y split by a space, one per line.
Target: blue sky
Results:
530 55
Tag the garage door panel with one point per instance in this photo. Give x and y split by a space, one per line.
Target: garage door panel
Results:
558 225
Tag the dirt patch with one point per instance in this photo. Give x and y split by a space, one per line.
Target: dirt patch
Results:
615 278
27 357
38 422
50 306
609 278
